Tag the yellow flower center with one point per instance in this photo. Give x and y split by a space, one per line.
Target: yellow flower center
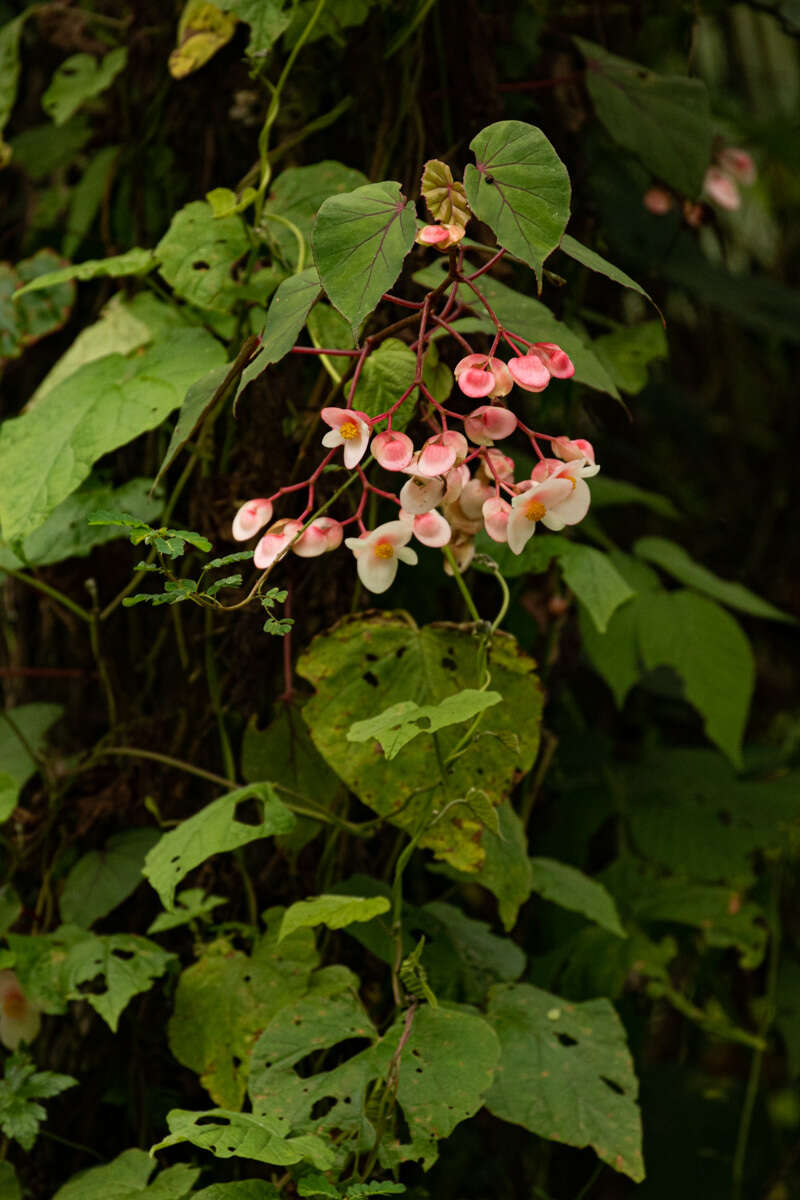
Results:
349 430
384 550
535 510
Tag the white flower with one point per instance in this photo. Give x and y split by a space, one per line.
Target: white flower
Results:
378 553
349 429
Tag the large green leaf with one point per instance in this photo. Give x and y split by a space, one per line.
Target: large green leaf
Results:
388 372
334 911
566 1074
225 999
485 957
66 532
286 316
520 188
78 79
213 830
102 879
360 240
595 580
534 320
22 730
566 886
48 451
709 651
366 664
242 1135
132 262
296 196
127 1178
197 254
664 119
673 558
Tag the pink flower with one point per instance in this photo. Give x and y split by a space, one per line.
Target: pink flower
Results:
488 423
392 450
472 498
497 465
456 480
451 437
19 1018
430 528
739 164
419 495
530 372
658 201
378 553
436 457
479 376
496 512
721 189
568 450
350 429
321 535
440 236
252 516
275 543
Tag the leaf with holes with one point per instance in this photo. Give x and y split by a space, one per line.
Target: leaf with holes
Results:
22 733
334 911
369 663
127 1178
401 723
286 316
78 79
24 322
570 888
198 252
214 830
102 879
664 119
243 1135
565 1073
520 188
444 196
360 240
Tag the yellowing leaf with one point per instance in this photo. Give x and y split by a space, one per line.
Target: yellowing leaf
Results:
202 31
444 196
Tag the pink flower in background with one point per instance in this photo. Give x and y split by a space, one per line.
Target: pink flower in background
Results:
349 429
496 512
251 517
429 528
739 164
378 553
721 189
488 423
19 1018
392 450
322 535
440 236
658 201
274 542
478 376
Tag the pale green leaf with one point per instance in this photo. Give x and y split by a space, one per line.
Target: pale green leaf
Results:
570 888
190 905
78 79
22 730
197 254
673 558
9 1184
566 1074
286 316
267 19
132 262
664 119
102 879
595 581
444 196
213 830
126 1178
627 352
242 1135
399 724
709 651
360 240
520 188
297 195
334 911
47 452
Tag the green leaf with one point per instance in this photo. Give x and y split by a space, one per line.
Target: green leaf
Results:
242 1135
607 492
520 188
47 452
9 1184
334 911
566 886
67 534
267 20
534 559
248 1189
360 240
596 262
10 34
627 352
532 319
21 1087
398 725
388 372
22 324
22 730
674 559
286 316
297 195
213 830
595 581
709 651
664 119
43 149
133 262
225 999
190 905
197 254
368 664
485 957
10 908
613 653
226 203
198 401
87 196
78 79
126 1178
444 197
566 1074
328 329
102 879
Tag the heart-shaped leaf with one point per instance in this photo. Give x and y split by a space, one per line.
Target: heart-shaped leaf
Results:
360 240
520 188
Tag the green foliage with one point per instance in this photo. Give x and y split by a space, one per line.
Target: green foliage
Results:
628 352
595 262
334 911
132 262
564 885
197 253
286 316
22 737
295 200
79 79
20 1089
102 879
22 324
242 1135
402 722
126 1178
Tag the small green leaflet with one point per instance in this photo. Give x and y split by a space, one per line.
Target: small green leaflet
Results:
133 262
334 911
191 905
360 241
80 78
213 830
570 888
20 1089
242 1135
520 188
396 726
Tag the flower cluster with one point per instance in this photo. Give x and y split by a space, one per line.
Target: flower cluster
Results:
454 484
732 167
